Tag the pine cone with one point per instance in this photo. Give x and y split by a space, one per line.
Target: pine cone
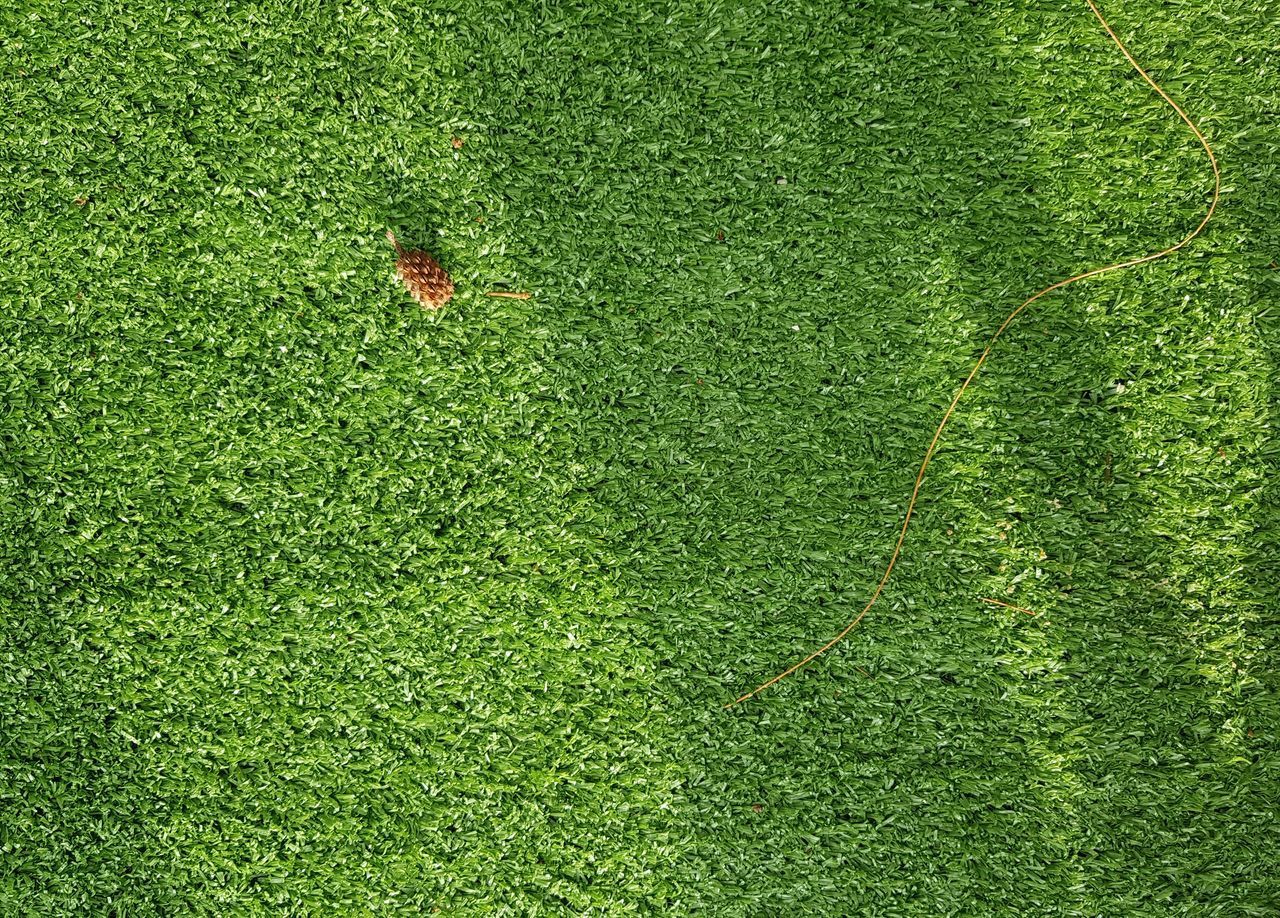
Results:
422 276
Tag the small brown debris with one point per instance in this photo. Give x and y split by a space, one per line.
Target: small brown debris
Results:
509 294
457 143
757 807
80 201
1008 605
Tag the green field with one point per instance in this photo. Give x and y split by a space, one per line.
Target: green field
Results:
315 603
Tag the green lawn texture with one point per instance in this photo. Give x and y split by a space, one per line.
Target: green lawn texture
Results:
314 603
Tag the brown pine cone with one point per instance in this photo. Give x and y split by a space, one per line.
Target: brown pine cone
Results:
422 276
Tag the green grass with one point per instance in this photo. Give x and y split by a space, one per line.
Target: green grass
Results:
315 603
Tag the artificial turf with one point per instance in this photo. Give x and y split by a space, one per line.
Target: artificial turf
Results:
317 603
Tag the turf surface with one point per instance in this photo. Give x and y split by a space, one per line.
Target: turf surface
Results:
315 603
